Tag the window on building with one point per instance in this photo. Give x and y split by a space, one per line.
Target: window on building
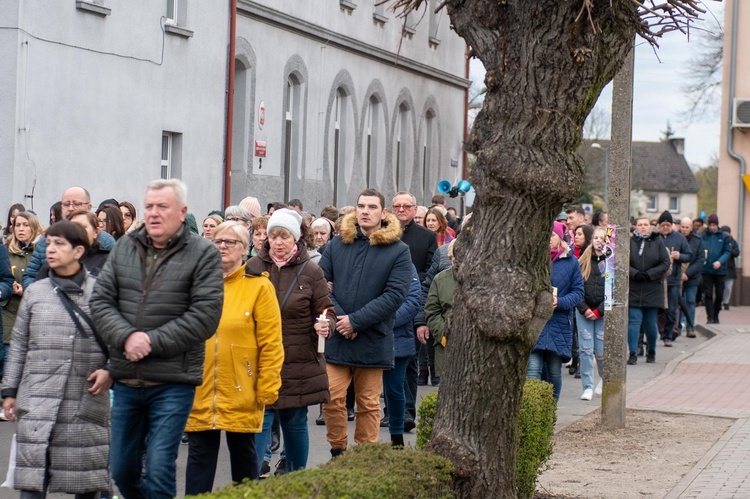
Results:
371 153
428 154
435 19
176 18
651 204
378 13
674 204
403 148
410 25
166 155
293 107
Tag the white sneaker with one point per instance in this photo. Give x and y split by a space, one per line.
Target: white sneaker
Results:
588 394
598 389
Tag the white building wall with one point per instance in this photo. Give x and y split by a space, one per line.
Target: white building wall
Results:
356 59
96 92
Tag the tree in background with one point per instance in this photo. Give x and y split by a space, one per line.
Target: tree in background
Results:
703 72
547 62
708 186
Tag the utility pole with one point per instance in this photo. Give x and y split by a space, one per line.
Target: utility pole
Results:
618 190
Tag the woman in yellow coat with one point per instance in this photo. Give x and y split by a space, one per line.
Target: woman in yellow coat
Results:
242 370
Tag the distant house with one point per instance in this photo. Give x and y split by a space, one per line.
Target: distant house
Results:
661 178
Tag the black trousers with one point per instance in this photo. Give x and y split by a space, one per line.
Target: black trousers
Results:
713 292
410 384
203 454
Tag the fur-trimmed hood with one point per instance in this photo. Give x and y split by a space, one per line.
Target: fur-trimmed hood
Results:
388 233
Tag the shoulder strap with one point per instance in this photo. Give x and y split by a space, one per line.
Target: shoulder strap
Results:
74 311
294 283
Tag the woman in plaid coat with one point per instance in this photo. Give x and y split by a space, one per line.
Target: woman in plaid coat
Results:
55 383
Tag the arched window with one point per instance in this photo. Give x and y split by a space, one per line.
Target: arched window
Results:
429 156
374 143
403 148
293 112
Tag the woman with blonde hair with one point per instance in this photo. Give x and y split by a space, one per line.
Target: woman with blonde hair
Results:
210 223
241 372
21 242
590 313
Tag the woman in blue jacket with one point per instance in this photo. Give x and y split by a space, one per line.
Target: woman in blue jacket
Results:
404 351
552 349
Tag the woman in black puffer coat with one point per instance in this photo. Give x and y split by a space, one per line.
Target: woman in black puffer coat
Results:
649 263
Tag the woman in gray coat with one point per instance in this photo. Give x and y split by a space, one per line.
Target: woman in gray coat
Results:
55 384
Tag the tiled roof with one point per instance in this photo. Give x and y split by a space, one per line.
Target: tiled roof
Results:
657 167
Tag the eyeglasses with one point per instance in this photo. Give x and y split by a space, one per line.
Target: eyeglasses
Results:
397 207
73 204
229 243
235 219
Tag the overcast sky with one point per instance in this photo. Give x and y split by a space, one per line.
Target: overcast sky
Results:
658 96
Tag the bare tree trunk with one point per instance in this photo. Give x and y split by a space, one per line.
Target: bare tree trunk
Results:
545 70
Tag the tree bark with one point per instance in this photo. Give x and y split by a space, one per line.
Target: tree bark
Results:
545 71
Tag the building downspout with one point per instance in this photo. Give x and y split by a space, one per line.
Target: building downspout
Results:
230 104
730 132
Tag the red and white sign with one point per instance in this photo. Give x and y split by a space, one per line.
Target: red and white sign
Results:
260 148
261 115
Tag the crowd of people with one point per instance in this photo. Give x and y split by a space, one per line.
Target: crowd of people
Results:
672 266
124 336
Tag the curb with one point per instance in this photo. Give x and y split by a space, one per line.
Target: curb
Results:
705 461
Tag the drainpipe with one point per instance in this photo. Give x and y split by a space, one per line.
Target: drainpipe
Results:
730 131
230 104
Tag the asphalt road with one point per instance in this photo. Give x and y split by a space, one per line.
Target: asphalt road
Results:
570 408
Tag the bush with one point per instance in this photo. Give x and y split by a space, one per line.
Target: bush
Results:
365 471
426 418
536 424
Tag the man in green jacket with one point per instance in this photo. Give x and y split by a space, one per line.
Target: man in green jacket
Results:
157 300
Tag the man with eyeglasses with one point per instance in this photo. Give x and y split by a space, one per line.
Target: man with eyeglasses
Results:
157 300
73 199
422 244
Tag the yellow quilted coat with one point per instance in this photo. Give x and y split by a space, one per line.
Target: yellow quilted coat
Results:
242 370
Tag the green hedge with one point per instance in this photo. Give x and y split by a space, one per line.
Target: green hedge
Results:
365 471
536 425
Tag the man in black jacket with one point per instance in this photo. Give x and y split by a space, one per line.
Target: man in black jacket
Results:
422 244
691 277
157 300
734 252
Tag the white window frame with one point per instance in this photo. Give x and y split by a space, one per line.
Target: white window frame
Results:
676 199
166 162
174 7
655 199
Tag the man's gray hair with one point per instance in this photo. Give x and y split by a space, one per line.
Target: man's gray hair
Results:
406 193
178 187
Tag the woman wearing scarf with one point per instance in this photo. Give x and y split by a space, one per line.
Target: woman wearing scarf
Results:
649 263
303 297
552 349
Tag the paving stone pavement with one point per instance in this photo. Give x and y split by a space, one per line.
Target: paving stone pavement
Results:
712 380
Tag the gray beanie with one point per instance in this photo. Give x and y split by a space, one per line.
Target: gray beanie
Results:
288 219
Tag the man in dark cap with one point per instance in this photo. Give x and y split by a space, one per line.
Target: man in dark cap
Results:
718 250
679 253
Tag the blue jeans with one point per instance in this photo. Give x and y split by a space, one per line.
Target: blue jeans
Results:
673 300
648 317
150 421
552 365
590 345
294 429
395 400
688 296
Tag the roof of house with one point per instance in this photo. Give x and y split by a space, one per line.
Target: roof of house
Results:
657 166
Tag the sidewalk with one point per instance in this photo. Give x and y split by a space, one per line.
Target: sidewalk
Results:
711 380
